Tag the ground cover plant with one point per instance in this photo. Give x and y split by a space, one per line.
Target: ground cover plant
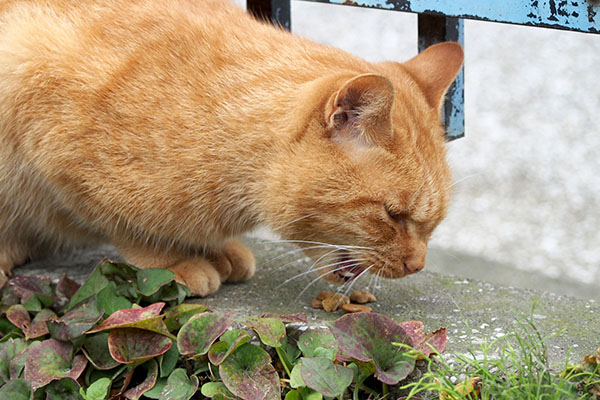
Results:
126 333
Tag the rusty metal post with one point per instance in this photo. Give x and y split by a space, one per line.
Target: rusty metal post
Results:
276 11
438 28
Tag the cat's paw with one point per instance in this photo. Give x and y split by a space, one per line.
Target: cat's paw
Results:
241 259
198 274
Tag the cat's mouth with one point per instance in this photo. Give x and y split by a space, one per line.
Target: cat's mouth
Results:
347 269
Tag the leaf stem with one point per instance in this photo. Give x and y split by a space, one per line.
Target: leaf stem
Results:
283 361
384 387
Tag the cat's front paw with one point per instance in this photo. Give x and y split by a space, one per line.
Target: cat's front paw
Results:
198 274
241 259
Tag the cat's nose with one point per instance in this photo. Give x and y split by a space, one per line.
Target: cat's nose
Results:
414 264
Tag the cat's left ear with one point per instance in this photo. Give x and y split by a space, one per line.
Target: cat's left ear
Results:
360 111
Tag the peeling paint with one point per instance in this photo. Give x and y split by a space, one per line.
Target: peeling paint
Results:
579 16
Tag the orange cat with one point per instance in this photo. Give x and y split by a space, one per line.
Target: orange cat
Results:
169 127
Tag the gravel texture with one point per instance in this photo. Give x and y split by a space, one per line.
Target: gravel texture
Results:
527 174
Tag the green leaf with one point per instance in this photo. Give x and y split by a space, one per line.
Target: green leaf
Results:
94 284
98 390
8 351
216 390
110 301
173 292
52 360
19 317
150 280
39 325
270 330
147 318
6 327
18 389
34 292
230 341
168 361
133 345
95 348
309 394
179 315
179 386
327 378
155 392
199 333
296 380
249 374
293 395
67 287
119 272
290 352
77 321
432 342
136 392
64 389
318 343
368 337
17 364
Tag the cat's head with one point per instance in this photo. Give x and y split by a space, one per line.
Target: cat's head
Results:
366 182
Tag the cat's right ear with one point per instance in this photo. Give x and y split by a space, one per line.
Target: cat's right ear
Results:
435 69
359 112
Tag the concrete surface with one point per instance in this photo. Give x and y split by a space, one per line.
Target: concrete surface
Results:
473 311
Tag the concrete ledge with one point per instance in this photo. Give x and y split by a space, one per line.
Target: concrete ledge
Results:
473 311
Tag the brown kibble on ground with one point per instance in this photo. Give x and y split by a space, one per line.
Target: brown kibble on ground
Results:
324 294
316 303
352 308
362 297
334 302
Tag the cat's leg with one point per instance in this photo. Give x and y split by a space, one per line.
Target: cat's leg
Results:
203 275
12 253
200 275
241 260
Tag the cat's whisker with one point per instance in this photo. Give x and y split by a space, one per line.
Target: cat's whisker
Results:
295 251
322 257
353 281
322 243
316 279
461 179
293 221
355 263
371 281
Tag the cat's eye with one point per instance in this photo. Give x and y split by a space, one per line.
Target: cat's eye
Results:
396 216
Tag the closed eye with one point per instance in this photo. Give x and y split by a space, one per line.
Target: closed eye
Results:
399 217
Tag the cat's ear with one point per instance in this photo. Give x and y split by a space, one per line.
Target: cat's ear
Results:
435 69
359 112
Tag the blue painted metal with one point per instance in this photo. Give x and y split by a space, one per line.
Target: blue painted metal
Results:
576 15
434 29
276 11
454 107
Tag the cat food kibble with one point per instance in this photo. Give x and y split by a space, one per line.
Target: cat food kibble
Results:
334 302
352 308
330 301
362 297
324 294
316 303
